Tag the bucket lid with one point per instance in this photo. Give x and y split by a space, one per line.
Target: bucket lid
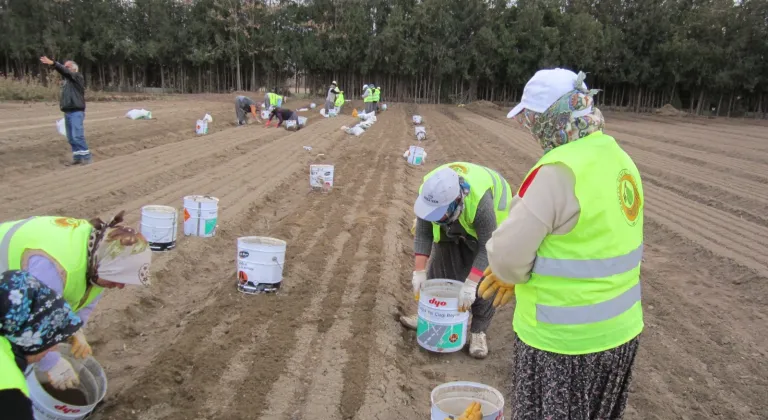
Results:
260 240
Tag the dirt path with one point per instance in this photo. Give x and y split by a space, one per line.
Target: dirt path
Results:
328 346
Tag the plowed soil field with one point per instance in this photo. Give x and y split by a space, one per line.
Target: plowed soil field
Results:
328 345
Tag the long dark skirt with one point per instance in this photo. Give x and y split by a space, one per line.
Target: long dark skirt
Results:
553 386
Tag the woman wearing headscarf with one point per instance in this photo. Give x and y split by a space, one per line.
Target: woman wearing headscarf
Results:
78 259
34 319
570 252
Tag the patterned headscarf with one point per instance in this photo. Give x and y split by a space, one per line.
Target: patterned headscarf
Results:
33 317
118 253
570 118
455 209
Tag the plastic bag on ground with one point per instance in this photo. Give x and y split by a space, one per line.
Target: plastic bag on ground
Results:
62 127
421 133
322 112
313 105
356 131
139 114
208 118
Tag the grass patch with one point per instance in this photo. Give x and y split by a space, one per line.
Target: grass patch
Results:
31 89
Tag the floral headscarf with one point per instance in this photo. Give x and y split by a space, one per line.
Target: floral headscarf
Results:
455 209
570 118
33 317
118 253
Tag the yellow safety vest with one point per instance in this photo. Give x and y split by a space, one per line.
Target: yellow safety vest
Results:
584 292
480 180
376 94
368 98
11 377
275 99
63 239
339 99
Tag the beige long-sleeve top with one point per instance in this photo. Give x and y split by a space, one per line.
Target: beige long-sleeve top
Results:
545 205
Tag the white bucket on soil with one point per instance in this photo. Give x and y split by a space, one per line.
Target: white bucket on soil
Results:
201 127
441 327
321 177
201 215
417 119
93 386
416 155
260 263
450 399
159 226
421 133
265 114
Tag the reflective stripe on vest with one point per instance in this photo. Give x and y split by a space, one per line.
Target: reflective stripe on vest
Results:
587 314
588 269
5 243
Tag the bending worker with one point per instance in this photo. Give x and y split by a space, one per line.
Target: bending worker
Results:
34 319
273 100
78 259
458 208
283 114
330 98
570 252
244 106
368 98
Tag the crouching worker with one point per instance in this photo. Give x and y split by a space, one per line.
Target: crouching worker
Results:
35 319
78 259
244 106
458 208
283 115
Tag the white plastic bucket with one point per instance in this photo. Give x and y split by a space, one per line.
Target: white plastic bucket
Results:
313 105
265 114
159 226
441 327
417 119
201 215
421 133
450 399
383 107
201 127
260 263
93 385
321 177
416 155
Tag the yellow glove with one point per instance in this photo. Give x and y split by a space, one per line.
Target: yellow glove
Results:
491 285
80 347
473 412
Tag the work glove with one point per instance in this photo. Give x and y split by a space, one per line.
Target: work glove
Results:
473 412
419 277
467 295
62 375
491 284
80 347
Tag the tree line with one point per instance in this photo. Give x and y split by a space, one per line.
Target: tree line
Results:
703 56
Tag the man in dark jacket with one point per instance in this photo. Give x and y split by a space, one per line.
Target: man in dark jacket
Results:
283 114
72 104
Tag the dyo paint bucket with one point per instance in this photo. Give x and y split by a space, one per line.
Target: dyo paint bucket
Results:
441 327
93 386
201 215
159 226
260 262
450 399
321 177
421 133
416 155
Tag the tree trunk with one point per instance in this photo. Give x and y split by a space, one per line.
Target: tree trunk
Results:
253 72
719 103
701 102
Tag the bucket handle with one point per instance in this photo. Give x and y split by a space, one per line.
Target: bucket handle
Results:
274 259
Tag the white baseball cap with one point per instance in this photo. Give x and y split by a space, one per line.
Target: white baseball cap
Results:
544 89
438 192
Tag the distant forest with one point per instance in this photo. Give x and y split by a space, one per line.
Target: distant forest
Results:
708 57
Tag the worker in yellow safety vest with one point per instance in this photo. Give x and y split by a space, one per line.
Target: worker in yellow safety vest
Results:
570 252
273 100
78 259
34 320
368 98
376 97
339 102
459 206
